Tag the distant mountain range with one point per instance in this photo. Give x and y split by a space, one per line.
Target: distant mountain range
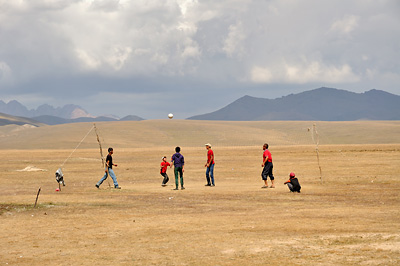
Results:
69 111
47 114
6 119
323 104
54 120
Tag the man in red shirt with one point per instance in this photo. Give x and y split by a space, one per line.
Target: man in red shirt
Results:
267 167
210 166
163 170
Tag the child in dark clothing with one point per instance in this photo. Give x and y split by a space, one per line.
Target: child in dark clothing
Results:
293 183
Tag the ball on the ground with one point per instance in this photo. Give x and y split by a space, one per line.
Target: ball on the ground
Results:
57 189
170 116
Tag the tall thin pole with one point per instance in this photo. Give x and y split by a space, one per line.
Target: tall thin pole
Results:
316 140
101 150
98 140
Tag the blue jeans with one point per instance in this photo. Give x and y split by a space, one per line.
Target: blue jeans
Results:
114 178
210 172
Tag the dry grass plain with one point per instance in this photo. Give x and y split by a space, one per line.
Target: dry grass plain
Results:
352 217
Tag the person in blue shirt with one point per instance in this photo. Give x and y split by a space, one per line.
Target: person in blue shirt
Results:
178 161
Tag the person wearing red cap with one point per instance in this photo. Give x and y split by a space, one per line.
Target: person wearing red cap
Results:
293 183
267 167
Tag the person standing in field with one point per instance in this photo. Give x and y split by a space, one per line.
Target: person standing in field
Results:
267 167
163 170
179 161
109 170
210 166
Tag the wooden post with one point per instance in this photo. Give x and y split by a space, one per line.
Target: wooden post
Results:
101 151
316 140
37 196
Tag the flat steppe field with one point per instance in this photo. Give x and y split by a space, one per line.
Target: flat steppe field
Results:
351 216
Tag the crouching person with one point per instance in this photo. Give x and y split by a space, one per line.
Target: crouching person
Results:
293 183
60 177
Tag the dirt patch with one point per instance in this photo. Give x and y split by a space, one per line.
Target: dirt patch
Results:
31 169
344 220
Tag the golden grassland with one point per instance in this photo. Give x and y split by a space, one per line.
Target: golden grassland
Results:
187 133
351 217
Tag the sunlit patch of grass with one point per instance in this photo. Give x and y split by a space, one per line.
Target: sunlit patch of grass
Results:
19 207
13 207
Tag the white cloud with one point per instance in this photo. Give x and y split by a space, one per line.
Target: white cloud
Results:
304 73
233 44
118 56
373 74
184 5
317 72
191 51
89 62
105 5
187 27
346 24
261 75
47 46
5 73
160 59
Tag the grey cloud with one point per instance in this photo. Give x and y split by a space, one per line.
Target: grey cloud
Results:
81 50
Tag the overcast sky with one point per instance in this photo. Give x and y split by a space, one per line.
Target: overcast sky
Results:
152 57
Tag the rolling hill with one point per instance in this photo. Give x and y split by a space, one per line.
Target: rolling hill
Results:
190 133
323 104
54 120
6 119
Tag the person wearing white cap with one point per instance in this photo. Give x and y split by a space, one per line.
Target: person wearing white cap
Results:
163 170
210 166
